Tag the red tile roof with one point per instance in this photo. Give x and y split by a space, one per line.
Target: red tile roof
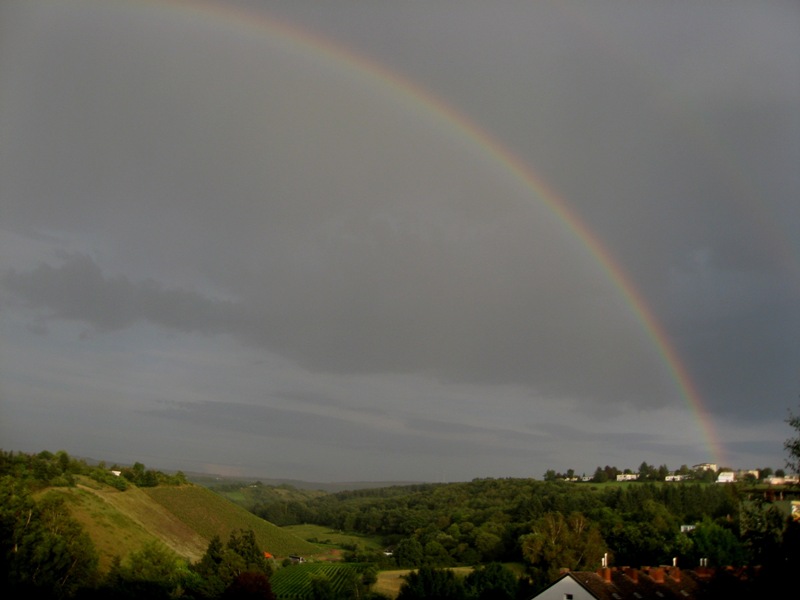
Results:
657 583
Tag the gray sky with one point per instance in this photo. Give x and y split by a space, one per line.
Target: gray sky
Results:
252 238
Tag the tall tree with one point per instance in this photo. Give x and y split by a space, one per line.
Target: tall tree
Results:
792 444
409 553
716 543
492 582
429 583
557 542
243 544
45 551
249 586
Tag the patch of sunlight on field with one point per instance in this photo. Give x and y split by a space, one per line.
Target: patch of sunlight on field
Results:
327 536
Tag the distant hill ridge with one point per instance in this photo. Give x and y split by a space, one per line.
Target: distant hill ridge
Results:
330 487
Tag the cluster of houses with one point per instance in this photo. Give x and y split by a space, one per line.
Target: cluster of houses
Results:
662 583
724 476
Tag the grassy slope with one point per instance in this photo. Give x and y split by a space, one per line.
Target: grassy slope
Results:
210 514
184 518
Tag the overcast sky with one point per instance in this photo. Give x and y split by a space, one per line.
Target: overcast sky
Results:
273 239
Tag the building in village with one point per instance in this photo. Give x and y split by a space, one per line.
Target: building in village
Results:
662 583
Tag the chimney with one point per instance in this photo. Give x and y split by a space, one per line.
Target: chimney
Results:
657 573
633 574
605 574
675 573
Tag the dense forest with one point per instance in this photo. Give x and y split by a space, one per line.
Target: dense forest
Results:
552 524
540 526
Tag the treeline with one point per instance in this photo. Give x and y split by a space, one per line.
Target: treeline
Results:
48 469
236 569
489 520
653 473
648 472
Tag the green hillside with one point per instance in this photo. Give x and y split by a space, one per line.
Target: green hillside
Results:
210 514
184 518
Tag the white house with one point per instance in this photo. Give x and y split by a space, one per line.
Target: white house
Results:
622 584
566 588
773 480
726 477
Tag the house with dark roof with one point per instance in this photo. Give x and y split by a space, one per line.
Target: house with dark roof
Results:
657 583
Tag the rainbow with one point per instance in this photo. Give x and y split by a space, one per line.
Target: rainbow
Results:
423 100
741 188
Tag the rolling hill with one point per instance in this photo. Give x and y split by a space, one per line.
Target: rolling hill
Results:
184 518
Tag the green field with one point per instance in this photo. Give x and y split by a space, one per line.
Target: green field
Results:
326 536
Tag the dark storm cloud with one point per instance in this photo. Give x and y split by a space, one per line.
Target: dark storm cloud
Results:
78 290
321 238
400 306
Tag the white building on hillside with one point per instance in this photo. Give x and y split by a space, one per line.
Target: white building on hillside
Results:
726 477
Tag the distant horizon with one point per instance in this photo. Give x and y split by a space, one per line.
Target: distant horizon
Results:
253 477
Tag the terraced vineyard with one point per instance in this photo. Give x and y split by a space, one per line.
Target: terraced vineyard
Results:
294 582
210 514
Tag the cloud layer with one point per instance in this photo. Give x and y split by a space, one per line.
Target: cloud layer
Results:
209 225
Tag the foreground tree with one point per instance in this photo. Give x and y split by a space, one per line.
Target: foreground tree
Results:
249 586
240 564
154 571
45 552
792 444
716 543
409 553
557 542
492 582
430 583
